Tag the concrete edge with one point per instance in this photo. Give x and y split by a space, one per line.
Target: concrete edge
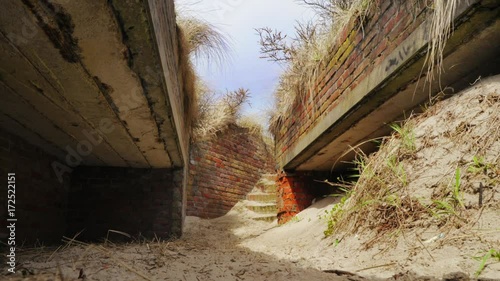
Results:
416 42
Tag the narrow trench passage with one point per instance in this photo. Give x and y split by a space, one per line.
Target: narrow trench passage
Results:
191 204
208 250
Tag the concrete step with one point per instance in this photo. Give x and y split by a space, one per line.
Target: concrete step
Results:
262 197
266 218
262 208
269 177
261 201
266 186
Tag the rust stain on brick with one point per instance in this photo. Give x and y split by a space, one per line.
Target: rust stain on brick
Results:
293 196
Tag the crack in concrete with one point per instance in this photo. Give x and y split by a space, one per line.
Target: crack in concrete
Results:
58 26
63 98
34 109
129 56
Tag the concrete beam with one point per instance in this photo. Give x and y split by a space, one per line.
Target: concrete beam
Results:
26 92
105 55
60 66
27 116
15 127
76 65
139 26
164 28
400 106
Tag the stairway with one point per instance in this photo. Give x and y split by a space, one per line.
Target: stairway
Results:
261 201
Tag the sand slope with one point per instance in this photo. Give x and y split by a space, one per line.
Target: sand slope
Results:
447 137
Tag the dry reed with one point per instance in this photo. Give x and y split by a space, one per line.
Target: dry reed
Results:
311 50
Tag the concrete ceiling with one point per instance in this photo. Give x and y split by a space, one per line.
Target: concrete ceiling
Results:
86 77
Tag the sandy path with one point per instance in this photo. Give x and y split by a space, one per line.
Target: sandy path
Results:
302 241
217 249
208 251
455 162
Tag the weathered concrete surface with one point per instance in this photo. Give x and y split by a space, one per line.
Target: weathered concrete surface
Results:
88 76
167 44
390 89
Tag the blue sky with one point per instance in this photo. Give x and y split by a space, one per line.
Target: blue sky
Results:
237 19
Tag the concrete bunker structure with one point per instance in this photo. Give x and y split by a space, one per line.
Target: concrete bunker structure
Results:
93 118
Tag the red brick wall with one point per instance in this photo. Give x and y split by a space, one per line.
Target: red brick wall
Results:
295 193
135 201
41 200
224 170
354 57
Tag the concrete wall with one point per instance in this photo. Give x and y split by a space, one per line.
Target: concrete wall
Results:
101 80
41 200
135 201
222 171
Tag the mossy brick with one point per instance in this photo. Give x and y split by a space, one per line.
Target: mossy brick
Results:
349 52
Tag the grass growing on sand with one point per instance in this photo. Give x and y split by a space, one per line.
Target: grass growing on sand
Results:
492 254
422 177
380 199
209 112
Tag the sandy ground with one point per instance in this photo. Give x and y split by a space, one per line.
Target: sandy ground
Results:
208 250
448 136
233 247
432 254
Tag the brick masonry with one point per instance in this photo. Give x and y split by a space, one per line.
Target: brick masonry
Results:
358 52
294 195
297 191
41 200
93 199
222 171
136 201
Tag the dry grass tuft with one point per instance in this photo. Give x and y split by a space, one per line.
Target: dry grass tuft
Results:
217 112
441 27
434 171
198 40
254 125
209 112
188 79
310 50
203 40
